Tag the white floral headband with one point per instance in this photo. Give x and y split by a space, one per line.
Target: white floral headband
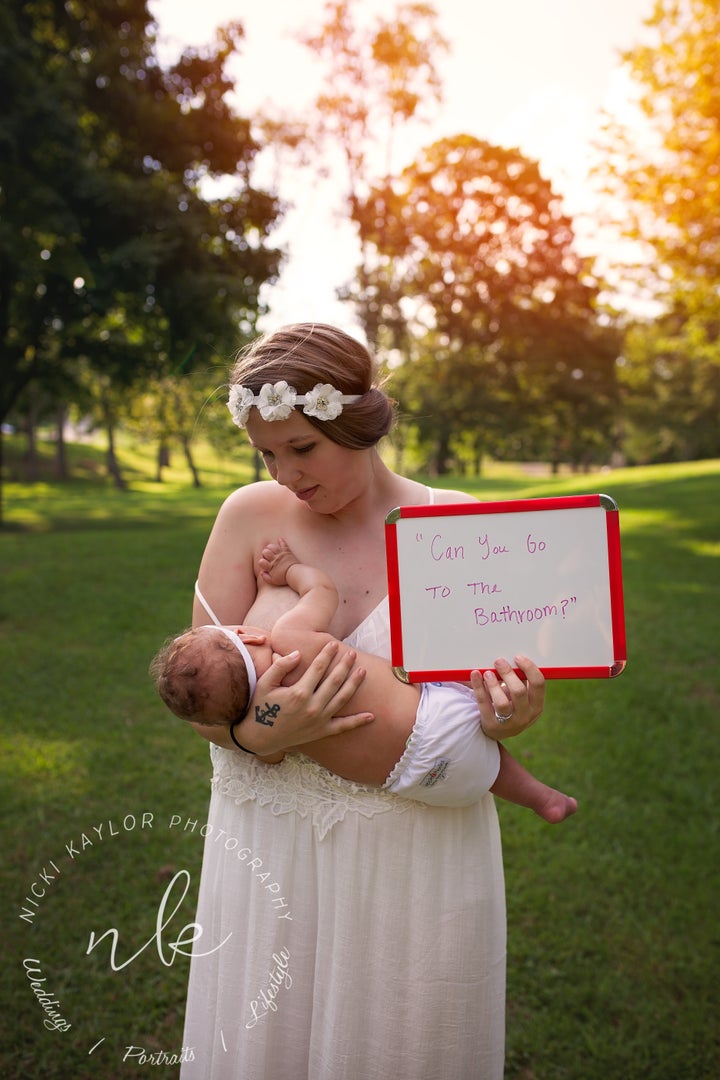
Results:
277 400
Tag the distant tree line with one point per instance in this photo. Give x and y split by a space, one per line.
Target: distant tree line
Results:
125 286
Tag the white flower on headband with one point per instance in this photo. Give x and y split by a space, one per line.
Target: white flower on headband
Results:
324 402
276 400
240 401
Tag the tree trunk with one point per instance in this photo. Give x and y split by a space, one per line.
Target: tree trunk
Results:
2 473
191 464
61 465
163 460
31 454
113 466
442 454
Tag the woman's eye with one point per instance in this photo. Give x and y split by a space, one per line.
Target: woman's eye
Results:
305 449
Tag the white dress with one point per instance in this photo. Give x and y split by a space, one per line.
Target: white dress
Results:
357 935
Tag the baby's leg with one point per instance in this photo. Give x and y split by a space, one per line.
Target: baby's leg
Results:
515 784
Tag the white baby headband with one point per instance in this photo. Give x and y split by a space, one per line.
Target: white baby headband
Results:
277 400
250 666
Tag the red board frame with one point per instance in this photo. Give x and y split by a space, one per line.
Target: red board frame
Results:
508 506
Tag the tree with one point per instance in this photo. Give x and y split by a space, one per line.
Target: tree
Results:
467 266
670 390
381 76
474 260
165 412
110 249
670 180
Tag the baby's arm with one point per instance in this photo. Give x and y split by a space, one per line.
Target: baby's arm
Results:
318 597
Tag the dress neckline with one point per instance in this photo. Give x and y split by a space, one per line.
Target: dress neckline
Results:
368 618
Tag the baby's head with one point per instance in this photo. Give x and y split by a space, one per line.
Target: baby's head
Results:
207 675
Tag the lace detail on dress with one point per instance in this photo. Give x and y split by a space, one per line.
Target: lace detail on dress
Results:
299 785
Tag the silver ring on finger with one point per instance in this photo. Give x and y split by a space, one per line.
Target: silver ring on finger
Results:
502 717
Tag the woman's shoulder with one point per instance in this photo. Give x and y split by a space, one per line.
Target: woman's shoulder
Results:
414 493
443 495
251 512
262 494
258 489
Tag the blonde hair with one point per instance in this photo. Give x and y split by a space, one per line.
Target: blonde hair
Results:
304 354
185 678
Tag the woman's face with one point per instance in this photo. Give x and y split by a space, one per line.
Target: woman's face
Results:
319 473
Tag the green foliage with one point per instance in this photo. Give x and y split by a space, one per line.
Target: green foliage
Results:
677 177
468 271
670 390
665 174
380 76
112 257
474 263
612 943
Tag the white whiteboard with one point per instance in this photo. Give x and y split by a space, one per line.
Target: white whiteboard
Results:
470 582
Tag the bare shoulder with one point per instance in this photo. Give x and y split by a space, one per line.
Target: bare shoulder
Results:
227 575
448 496
263 494
234 532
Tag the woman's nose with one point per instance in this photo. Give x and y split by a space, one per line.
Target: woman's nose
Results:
286 473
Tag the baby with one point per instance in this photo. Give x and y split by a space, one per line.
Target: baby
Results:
208 675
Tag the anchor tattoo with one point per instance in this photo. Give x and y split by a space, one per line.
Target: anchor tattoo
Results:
262 716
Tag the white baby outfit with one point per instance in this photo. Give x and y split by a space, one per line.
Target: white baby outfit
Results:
448 761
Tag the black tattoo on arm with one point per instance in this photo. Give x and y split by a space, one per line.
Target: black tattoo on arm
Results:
267 715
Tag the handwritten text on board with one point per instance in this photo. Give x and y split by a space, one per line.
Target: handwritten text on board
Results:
440 551
470 587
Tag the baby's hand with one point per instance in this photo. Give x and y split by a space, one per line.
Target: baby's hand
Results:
275 561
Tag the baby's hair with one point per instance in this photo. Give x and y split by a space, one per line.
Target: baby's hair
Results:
305 354
185 678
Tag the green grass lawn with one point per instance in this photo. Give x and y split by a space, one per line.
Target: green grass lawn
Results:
613 946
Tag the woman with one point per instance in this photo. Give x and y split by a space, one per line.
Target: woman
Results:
346 932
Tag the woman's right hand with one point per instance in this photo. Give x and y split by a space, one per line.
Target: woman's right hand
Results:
283 717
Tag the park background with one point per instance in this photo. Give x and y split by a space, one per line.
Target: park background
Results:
524 364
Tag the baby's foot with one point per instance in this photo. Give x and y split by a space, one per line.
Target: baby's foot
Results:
555 806
275 561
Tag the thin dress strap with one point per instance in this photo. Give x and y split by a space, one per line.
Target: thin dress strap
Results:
208 610
431 497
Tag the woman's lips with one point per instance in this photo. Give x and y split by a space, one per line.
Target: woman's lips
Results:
307 494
